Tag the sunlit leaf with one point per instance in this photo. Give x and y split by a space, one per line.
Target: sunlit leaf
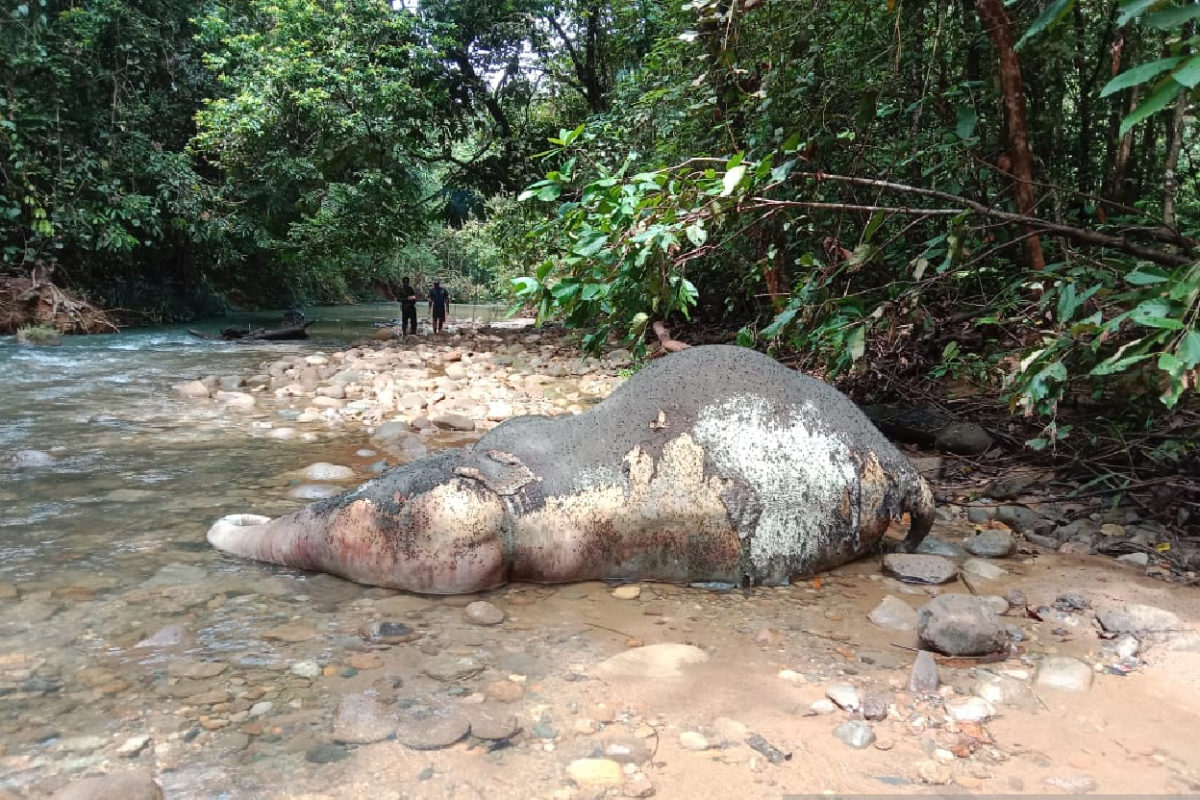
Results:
1139 75
1047 19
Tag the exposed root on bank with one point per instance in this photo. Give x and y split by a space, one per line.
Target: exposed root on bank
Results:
34 301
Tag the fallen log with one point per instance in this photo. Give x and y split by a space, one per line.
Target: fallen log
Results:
290 333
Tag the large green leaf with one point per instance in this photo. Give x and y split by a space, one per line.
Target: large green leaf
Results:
1139 75
1189 74
967 119
1132 9
1189 349
1160 99
1171 18
1047 19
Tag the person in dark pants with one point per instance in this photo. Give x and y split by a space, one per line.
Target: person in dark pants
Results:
408 307
439 301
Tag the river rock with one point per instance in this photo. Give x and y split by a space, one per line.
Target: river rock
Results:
959 625
969 709
492 724
322 471
235 399
1019 518
1004 690
316 491
963 438
595 773
983 569
933 546
627 592
387 632
293 633
453 422
192 389
652 661
169 636
855 733
1073 783
482 612
1137 618
1064 674
32 459
434 732
361 719
450 668
915 568
923 679
132 785
894 614
198 670
846 697
694 741
991 544
1134 559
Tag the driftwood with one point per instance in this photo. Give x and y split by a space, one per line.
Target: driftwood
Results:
289 333
665 341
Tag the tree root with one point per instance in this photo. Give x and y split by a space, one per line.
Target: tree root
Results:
34 300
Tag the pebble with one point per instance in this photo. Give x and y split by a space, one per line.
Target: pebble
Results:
492 724
365 661
984 569
195 669
846 697
361 719
874 707
306 669
924 676
133 746
969 709
855 733
823 706
327 753
1064 674
504 691
169 636
133 785
627 592
991 543
385 632
914 568
1004 690
691 740
322 471
592 773
960 625
482 612
894 614
432 733
293 634
1137 618
453 668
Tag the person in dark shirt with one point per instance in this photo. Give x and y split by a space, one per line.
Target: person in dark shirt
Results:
408 307
439 301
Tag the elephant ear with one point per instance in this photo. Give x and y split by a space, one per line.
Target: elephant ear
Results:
501 472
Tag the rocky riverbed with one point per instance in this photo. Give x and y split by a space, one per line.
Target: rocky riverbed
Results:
1058 672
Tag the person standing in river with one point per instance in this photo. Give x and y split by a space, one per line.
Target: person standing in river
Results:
439 301
408 307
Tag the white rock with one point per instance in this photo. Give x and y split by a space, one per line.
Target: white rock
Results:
970 709
847 697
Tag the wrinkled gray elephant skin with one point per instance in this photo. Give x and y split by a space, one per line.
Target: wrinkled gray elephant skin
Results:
711 464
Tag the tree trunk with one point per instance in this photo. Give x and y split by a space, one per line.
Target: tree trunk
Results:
1174 146
995 21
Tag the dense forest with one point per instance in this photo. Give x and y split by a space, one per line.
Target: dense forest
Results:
1003 195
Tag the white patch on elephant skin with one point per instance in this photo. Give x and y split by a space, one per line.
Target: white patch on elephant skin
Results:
800 476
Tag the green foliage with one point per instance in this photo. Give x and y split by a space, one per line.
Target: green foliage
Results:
38 334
